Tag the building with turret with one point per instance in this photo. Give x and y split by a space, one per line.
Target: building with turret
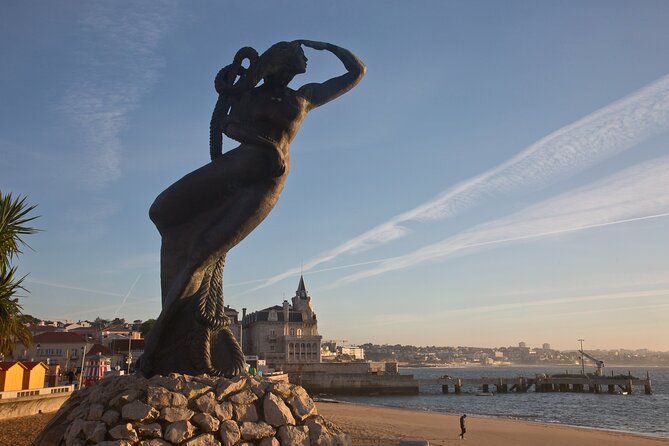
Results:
286 333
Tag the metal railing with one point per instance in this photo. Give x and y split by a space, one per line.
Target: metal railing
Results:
35 392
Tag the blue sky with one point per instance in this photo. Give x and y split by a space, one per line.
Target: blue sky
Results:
501 174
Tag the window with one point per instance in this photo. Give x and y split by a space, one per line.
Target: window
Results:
299 332
272 332
292 332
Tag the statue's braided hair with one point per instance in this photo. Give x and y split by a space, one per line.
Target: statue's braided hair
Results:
265 65
228 91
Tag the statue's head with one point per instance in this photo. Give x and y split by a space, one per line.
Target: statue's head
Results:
282 60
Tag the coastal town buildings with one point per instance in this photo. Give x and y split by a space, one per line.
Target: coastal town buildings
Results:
60 347
286 333
235 323
354 352
119 349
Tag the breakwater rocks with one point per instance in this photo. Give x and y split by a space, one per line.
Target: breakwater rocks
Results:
190 411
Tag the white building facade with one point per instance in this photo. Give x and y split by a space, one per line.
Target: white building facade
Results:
284 334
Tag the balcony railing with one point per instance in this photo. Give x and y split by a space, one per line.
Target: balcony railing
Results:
305 338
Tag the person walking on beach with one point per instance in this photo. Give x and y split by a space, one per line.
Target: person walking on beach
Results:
462 426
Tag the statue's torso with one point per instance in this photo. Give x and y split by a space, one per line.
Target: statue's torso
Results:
273 115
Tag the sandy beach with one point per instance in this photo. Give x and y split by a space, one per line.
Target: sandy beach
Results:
375 425
371 424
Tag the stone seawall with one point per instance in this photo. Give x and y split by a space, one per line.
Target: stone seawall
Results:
355 383
21 407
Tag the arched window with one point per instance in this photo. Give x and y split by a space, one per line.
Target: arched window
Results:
292 332
299 332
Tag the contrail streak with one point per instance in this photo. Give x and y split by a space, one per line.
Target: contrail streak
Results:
473 245
626 295
609 310
638 193
599 135
125 298
73 288
316 271
97 310
402 262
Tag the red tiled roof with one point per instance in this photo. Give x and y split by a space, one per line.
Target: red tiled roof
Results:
121 345
8 364
117 329
42 328
31 365
83 330
63 337
99 348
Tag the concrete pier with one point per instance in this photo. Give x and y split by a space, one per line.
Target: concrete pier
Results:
543 383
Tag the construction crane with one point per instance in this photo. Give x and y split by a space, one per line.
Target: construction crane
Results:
598 363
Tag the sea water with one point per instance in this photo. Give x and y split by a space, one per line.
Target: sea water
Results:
638 412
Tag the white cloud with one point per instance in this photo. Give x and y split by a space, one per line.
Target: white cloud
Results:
89 223
119 66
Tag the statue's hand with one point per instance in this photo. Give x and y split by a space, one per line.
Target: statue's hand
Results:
314 44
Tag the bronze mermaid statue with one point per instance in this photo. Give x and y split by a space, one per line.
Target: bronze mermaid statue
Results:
210 210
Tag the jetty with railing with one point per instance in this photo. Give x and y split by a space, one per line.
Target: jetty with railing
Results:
619 384
377 378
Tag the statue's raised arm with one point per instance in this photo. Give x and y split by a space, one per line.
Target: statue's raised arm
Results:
319 94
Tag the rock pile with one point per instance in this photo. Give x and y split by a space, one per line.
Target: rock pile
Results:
190 411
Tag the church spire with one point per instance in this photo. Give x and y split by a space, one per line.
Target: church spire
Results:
301 289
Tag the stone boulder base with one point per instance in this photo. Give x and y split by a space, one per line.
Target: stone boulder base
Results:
190 410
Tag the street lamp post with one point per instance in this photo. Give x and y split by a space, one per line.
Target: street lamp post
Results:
129 352
68 356
83 357
582 363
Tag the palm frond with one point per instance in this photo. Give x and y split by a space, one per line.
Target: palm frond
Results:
9 284
14 220
13 225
